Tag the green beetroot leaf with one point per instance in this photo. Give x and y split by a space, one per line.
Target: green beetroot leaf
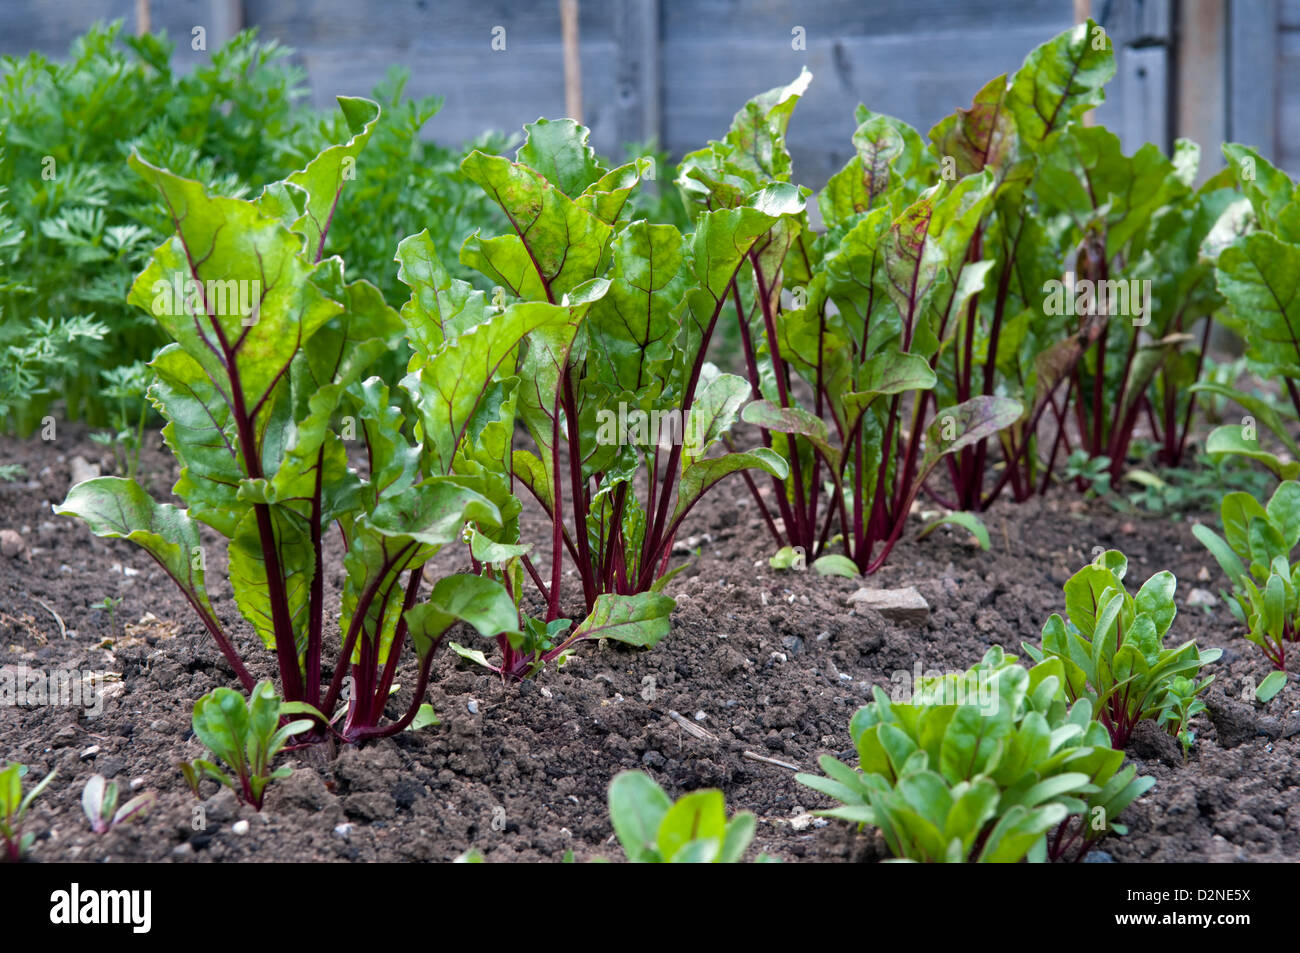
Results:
323 178
994 765
121 509
1260 277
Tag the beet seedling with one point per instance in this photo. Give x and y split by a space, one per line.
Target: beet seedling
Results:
993 765
1255 554
654 829
99 802
246 737
13 808
1111 645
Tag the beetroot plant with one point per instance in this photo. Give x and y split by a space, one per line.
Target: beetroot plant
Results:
262 388
619 401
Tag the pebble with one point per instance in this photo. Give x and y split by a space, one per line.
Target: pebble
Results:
899 605
700 716
90 752
12 545
1202 597
82 470
239 828
343 830
802 821
183 850
472 706
137 784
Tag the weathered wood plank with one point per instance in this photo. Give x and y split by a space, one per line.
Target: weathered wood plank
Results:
50 26
1288 114
981 21
1252 74
1199 91
482 90
1144 92
636 83
402 25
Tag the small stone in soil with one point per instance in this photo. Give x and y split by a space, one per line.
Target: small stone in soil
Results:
12 545
239 828
343 830
899 605
82 470
1202 597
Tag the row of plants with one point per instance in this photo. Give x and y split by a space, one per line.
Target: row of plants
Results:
974 312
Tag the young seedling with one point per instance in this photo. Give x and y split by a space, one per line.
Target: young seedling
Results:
13 808
993 765
246 737
654 829
1181 707
1111 645
109 604
1255 554
99 802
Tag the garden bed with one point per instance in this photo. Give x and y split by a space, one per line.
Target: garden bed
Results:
767 662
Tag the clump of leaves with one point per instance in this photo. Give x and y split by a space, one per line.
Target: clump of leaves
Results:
694 829
88 223
13 808
642 302
99 802
245 736
991 765
1111 645
1255 554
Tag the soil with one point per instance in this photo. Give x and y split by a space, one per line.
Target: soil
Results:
767 662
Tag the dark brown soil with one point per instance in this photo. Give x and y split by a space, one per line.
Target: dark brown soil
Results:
772 663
